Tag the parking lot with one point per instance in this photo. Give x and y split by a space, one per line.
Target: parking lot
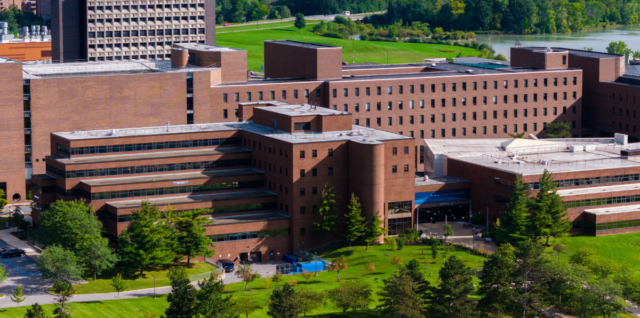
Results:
21 271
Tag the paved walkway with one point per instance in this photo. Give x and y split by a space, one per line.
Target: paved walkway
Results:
461 235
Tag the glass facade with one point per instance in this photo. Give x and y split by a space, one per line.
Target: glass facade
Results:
149 146
442 196
147 169
591 181
249 235
399 207
603 201
174 190
398 226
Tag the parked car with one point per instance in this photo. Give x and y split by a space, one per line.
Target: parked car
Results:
14 252
228 265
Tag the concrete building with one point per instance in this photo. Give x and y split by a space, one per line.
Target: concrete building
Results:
113 30
598 179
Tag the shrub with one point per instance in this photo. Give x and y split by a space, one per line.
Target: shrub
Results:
293 282
400 244
333 35
364 37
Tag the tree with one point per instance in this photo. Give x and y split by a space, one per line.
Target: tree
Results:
606 297
529 278
398 298
211 303
191 239
451 298
119 284
3 274
245 306
300 22
309 300
306 275
3 196
95 253
182 299
549 213
373 230
396 261
500 57
36 311
369 267
283 303
495 285
260 11
67 224
582 256
352 294
329 218
434 251
517 135
247 274
619 48
148 241
338 264
515 221
354 220
18 296
277 278
558 130
448 231
58 263
65 292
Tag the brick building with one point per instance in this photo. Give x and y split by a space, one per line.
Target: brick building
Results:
115 30
597 178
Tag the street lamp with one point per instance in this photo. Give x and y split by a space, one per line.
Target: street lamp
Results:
432 226
154 286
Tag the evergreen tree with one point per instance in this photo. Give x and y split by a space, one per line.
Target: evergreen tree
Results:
515 221
36 311
211 301
529 275
398 298
191 239
148 241
540 223
553 206
283 303
495 285
354 220
300 23
182 299
119 284
328 217
451 298
374 229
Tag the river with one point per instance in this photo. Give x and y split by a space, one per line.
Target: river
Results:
596 39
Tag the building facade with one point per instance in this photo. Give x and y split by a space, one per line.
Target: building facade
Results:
115 30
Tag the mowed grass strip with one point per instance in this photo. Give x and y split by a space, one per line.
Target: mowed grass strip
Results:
259 26
621 248
103 283
364 51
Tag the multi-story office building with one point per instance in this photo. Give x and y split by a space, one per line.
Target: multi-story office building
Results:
43 9
106 30
598 179
208 84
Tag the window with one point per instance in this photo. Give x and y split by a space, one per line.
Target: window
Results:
495 84
411 89
302 191
453 87
345 92
389 90
535 82
475 86
314 190
357 91
330 171
314 172
314 153
379 90
301 154
400 90
545 82
225 113
302 231
394 169
302 126
406 167
575 80
464 86
295 93
302 174
368 91
421 88
433 88
406 150
284 94
224 97
564 60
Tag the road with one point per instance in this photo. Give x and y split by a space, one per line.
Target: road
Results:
355 16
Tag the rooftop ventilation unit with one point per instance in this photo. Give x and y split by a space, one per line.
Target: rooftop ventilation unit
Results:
630 153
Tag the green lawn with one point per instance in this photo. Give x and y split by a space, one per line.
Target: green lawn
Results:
258 26
103 283
326 280
621 248
365 51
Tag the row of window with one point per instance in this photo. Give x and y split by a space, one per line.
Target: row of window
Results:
613 126
398 226
136 33
249 235
613 112
132 57
590 181
454 102
399 207
474 130
602 201
144 7
272 95
217 210
150 168
442 196
453 87
176 190
149 146
617 225
150 46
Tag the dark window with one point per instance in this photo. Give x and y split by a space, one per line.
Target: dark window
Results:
302 126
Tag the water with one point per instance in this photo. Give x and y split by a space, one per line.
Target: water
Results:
596 39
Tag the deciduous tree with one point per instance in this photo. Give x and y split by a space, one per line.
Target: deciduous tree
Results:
338 264
310 300
58 263
245 306
95 254
247 274
190 226
18 296
300 23
352 294
284 303
119 284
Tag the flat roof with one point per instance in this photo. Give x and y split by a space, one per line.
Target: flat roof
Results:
302 110
40 69
614 210
310 45
150 155
205 47
149 131
172 177
585 53
596 190
7 60
228 196
420 181
535 159
251 218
